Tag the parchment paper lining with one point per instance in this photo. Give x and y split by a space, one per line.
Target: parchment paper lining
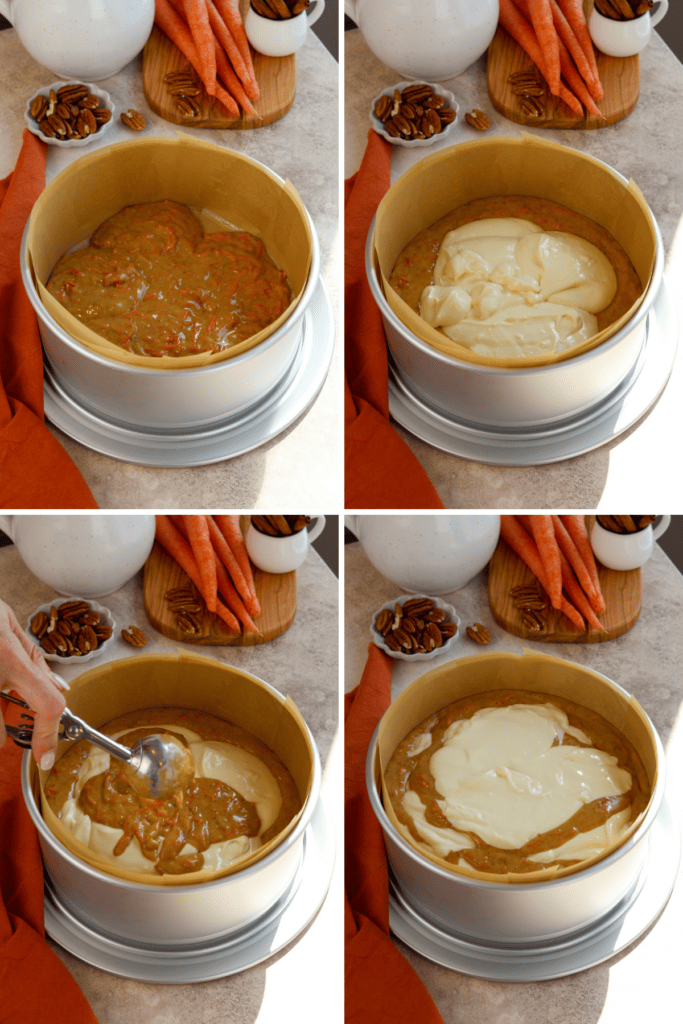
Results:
511 166
199 174
528 671
202 684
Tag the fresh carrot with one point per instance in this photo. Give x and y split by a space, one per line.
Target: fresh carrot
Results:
585 86
230 528
576 528
519 28
542 20
514 534
544 535
232 598
573 12
170 22
175 544
229 11
568 37
200 542
577 83
225 554
574 591
571 552
230 79
226 40
197 17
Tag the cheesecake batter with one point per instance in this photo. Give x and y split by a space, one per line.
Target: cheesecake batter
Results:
241 797
516 781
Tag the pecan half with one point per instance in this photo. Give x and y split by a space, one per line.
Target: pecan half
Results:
187 106
38 108
72 93
39 624
478 633
134 119
478 119
383 108
134 636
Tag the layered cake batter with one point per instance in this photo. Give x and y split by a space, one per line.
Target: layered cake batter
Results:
153 283
241 797
516 276
516 781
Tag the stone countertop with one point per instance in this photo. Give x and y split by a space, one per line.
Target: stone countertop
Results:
640 982
645 146
302 463
309 969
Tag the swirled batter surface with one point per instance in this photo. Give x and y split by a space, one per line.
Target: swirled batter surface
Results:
241 797
513 781
153 283
489 299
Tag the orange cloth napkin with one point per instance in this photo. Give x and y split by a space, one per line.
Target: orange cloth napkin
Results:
381 986
35 471
35 986
381 470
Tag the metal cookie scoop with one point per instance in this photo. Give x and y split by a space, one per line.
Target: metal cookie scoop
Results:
160 765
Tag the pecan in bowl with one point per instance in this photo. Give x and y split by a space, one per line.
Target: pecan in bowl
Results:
414 113
71 629
415 627
69 113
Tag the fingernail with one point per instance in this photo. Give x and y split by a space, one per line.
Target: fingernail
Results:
46 761
62 683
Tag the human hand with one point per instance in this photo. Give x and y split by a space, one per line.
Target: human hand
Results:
24 669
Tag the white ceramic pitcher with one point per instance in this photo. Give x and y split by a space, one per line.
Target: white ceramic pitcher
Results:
86 556
432 40
86 40
431 555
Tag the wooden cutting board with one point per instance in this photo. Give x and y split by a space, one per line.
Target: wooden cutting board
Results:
621 590
276 594
620 77
276 77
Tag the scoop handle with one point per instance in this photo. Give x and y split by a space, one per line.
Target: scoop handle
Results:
75 729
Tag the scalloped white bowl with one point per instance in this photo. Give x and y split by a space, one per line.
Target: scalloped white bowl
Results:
446 646
105 616
64 143
450 102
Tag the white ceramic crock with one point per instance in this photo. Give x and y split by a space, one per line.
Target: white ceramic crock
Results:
281 554
85 39
624 38
433 40
626 550
427 554
278 37
82 556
